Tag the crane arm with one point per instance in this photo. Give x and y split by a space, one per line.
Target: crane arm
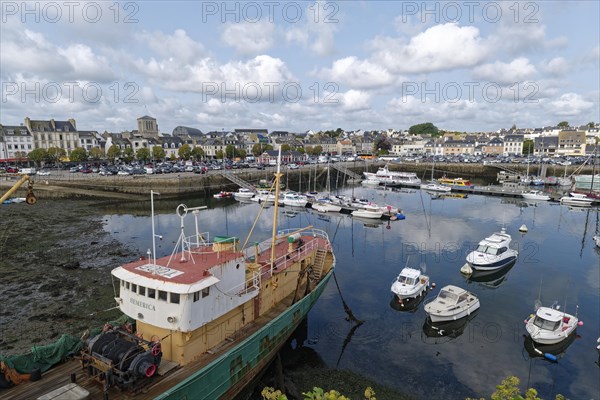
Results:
31 199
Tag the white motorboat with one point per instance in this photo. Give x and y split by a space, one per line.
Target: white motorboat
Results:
536 195
435 187
410 284
451 303
577 200
292 199
326 205
368 211
493 252
549 325
243 193
370 182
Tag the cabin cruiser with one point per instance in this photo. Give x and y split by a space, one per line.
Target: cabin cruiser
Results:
451 303
535 195
549 325
576 199
243 193
435 187
458 182
293 199
493 252
368 211
409 284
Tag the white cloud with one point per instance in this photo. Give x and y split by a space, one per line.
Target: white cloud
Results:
316 33
439 48
570 105
558 66
518 70
355 100
178 45
360 74
249 38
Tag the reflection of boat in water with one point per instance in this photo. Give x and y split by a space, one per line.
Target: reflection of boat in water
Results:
550 352
369 222
408 305
447 329
441 196
491 278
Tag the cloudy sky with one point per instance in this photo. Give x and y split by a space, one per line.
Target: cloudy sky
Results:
467 66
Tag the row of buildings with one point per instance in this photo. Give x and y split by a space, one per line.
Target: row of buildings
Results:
17 141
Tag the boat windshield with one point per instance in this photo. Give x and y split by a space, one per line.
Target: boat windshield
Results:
448 296
406 280
545 324
487 250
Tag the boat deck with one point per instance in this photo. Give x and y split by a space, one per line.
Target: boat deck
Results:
60 375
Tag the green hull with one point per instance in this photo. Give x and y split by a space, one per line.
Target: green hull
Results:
231 372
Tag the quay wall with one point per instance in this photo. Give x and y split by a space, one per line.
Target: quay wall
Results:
62 184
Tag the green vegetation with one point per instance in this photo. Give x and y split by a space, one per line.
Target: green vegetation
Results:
78 154
426 128
128 155
269 393
185 152
527 147
509 390
113 153
38 155
197 153
158 153
563 124
96 153
55 154
143 154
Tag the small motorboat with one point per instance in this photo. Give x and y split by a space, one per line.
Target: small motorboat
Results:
368 211
535 195
577 200
435 187
493 252
451 303
243 193
409 284
549 325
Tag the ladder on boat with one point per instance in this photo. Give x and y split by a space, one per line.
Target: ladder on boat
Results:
347 171
319 263
237 180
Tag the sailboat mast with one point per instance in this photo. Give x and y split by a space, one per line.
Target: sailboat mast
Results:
275 209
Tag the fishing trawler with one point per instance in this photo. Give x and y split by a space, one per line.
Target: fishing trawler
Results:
207 319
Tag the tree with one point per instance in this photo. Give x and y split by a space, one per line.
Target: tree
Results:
219 154
528 146
55 154
424 129
563 124
318 149
113 153
158 153
230 151
591 124
197 153
382 143
301 150
173 157
78 155
38 155
95 153
185 151
285 147
241 153
128 154
143 154
260 148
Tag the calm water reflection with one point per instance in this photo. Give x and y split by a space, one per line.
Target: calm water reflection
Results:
400 348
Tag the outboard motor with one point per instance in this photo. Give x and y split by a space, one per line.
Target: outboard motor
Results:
116 357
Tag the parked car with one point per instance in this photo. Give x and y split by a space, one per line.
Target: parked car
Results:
293 166
43 172
12 170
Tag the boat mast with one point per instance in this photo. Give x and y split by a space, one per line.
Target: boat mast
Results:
152 193
275 209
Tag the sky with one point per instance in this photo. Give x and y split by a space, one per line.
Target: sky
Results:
466 66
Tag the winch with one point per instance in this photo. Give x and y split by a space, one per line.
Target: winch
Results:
116 357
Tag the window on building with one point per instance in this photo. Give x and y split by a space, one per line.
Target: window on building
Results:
162 295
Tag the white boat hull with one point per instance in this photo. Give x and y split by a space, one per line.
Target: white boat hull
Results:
404 292
440 317
367 214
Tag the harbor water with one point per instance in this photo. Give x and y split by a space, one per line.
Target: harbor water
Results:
395 346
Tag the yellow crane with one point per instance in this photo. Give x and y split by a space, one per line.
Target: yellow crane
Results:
30 198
